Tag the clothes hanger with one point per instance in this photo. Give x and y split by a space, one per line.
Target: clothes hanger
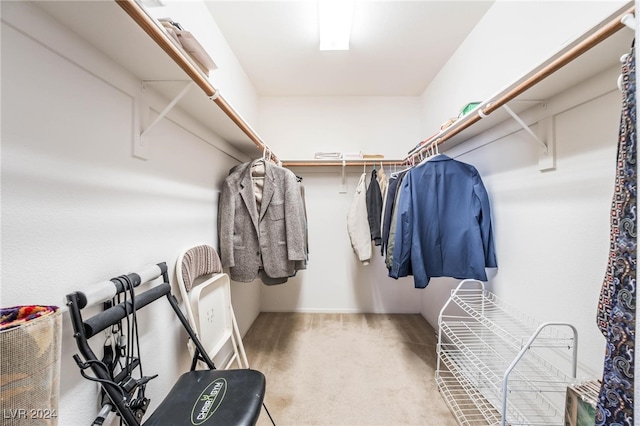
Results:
428 150
264 155
620 81
394 173
431 150
261 160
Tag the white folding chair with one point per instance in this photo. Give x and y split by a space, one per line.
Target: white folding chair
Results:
206 295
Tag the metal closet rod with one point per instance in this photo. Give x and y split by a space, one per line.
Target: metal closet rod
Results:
151 28
601 34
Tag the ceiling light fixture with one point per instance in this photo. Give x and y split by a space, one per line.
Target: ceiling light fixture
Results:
334 21
154 3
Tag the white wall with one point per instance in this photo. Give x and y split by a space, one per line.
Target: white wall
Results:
551 228
335 281
297 127
78 209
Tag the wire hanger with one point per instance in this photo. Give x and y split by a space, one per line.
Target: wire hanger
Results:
431 150
428 150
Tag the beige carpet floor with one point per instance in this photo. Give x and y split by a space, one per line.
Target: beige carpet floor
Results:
347 369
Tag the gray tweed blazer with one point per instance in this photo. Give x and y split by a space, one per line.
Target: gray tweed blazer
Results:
272 238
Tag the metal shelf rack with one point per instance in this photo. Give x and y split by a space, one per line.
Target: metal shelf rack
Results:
499 366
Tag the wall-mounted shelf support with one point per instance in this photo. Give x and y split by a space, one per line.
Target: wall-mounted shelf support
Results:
169 107
546 132
158 34
141 143
545 137
575 49
526 128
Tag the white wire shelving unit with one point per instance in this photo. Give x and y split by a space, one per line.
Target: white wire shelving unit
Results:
498 366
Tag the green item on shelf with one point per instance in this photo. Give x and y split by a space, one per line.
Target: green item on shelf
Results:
468 108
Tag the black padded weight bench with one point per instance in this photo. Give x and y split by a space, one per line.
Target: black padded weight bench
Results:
199 397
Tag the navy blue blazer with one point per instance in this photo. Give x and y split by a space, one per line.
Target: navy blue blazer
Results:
444 223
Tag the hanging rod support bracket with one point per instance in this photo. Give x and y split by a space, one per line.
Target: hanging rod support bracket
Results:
343 178
525 127
215 95
481 113
168 108
629 20
141 112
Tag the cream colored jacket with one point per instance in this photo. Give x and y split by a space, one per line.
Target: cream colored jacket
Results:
358 223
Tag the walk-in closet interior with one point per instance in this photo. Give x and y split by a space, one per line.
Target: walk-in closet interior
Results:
135 133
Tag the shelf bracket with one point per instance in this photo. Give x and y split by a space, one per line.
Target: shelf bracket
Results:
526 128
546 156
141 143
545 138
343 179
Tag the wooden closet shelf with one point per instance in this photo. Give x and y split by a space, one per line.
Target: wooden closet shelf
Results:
486 112
141 36
339 163
159 35
124 32
566 68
